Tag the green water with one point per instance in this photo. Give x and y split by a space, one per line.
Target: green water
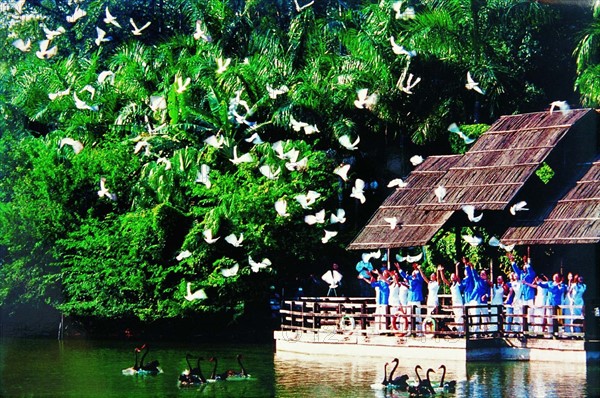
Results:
81 368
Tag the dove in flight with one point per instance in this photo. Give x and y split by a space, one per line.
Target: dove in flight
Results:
76 145
366 257
142 144
472 84
255 139
229 272
165 161
181 85
472 240
58 94
296 125
222 64
183 255
342 171
470 211
440 193
281 208
364 100
157 103
109 19
270 172
400 50
358 190
51 34
408 13
563 106
44 52
338 217
328 235
416 160
77 15
201 33
104 191
245 158
345 142
414 259
496 243
138 31
397 182
197 295
519 206
453 128
299 9
392 221
79 104
208 237
257 266
318 218
216 142
274 92
203 177
24 46
101 37
106 75
234 241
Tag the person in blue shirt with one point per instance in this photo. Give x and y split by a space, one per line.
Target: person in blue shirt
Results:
383 284
364 269
556 289
526 275
477 291
415 292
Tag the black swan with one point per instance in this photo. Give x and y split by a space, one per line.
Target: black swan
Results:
384 382
214 375
151 367
242 374
133 370
400 382
424 388
193 376
449 386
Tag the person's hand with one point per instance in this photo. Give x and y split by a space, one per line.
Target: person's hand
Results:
440 268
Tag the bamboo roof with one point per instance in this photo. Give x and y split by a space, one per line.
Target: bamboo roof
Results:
416 227
574 218
499 163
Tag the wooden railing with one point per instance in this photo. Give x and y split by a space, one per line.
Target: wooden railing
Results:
362 315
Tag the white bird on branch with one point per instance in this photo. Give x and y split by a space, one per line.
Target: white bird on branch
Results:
104 191
470 211
59 94
138 31
318 218
338 217
109 19
234 241
76 145
473 85
519 206
208 237
106 75
345 142
358 190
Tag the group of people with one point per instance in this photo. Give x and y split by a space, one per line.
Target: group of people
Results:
523 291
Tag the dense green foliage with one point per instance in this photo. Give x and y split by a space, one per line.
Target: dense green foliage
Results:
90 255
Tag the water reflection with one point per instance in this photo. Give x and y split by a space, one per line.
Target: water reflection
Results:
36 368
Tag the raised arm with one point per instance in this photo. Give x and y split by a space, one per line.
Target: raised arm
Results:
441 272
423 274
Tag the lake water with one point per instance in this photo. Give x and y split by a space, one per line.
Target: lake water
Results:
84 368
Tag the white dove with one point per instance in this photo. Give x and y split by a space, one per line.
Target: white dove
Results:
101 37
519 206
24 46
470 211
358 190
201 33
392 221
397 182
79 104
203 177
297 165
183 255
208 237
76 145
345 142
342 171
307 200
104 191
400 50
216 142
416 160
496 243
328 235
197 295
142 144
364 100
453 128
318 218
245 158
274 92
138 31
258 266
106 75
472 240
165 161
51 34
44 52
311 129
58 94
229 272
255 139
298 8
562 105
157 103
234 241
281 208
408 13
77 15
270 172
109 19
440 193
368 256
222 64
472 84
181 85
338 217
296 125
414 259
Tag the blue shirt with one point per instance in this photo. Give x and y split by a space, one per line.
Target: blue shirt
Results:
415 286
527 292
555 290
384 291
